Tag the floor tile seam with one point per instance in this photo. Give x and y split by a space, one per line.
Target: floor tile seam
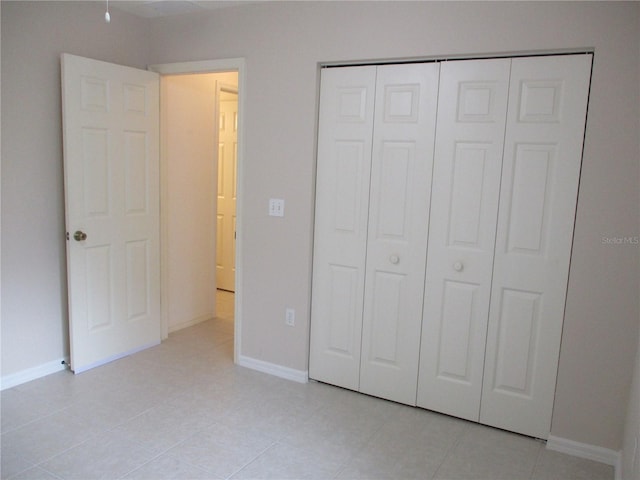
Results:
181 459
165 402
145 463
374 433
309 415
193 434
20 457
41 463
51 473
40 419
15 475
534 468
345 463
132 418
354 437
111 428
450 451
262 452
43 397
304 449
341 469
44 416
369 441
268 437
197 430
146 449
152 450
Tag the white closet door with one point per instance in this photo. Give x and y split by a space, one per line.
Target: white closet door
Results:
341 216
404 130
543 149
472 107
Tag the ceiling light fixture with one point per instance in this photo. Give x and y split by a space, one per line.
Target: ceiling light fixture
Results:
107 16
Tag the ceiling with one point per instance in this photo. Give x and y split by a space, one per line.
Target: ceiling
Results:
163 8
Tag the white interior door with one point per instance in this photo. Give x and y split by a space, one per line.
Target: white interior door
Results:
402 164
227 176
472 107
111 165
541 168
340 242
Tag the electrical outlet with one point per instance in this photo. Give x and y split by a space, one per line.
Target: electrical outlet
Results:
290 317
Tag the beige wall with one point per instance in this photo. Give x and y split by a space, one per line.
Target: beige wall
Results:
631 441
189 152
34 311
283 43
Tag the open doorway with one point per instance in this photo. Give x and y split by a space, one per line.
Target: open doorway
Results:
198 170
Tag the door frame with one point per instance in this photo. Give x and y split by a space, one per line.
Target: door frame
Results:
205 66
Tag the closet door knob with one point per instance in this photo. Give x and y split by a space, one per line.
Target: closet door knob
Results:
458 266
395 259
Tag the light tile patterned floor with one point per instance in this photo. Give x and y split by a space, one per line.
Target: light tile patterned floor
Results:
183 410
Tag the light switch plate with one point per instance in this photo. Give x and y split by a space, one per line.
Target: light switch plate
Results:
276 207
290 317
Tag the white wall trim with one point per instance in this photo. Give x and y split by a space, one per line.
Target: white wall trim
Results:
590 452
34 373
287 373
189 323
203 66
113 358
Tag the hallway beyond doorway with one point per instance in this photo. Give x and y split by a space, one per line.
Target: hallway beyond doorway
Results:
224 304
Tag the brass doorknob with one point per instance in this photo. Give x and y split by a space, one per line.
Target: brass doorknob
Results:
79 236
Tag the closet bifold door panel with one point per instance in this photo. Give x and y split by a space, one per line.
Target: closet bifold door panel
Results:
373 186
541 168
402 163
341 218
472 107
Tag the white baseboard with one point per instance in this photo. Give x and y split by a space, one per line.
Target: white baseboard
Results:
590 452
34 373
189 323
113 358
299 376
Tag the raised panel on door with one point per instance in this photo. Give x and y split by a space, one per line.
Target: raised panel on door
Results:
137 278
541 168
402 161
341 216
472 106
